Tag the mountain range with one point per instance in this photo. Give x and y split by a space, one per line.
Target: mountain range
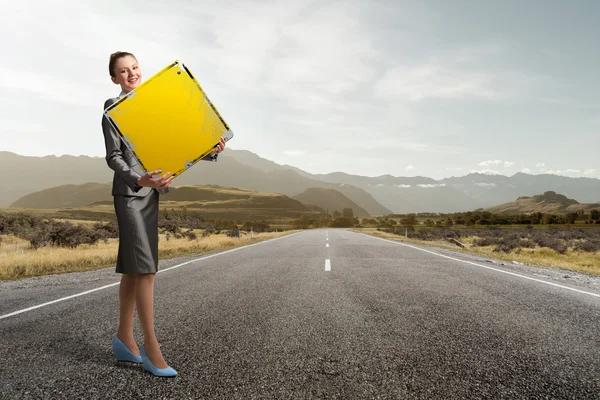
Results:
243 169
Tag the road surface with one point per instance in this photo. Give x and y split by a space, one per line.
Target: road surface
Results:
323 313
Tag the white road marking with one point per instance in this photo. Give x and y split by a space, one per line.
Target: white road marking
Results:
116 283
485 266
327 245
327 265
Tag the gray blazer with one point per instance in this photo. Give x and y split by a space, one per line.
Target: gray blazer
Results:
121 160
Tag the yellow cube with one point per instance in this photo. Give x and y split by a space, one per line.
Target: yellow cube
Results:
168 122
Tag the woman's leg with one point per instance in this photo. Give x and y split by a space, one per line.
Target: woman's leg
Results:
127 307
144 300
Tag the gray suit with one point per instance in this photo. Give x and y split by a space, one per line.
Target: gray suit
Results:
136 207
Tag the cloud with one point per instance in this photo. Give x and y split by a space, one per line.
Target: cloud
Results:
485 184
490 163
496 163
561 172
590 171
431 185
485 171
540 165
451 169
410 168
526 170
402 186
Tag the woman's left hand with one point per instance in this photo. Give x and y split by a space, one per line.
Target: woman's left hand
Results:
219 147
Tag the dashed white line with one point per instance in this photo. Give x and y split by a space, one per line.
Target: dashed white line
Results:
116 283
486 267
327 245
327 265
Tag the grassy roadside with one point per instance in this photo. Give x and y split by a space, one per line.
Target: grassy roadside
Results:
17 260
540 256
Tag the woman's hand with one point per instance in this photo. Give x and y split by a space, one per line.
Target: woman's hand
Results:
219 147
158 183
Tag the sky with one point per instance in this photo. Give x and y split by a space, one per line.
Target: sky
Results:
408 88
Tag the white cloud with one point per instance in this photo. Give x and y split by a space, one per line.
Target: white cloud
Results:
410 168
451 169
561 172
526 170
496 163
431 185
485 172
402 186
540 165
490 163
486 184
590 171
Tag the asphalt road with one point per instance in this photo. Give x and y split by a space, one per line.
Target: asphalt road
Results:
386 321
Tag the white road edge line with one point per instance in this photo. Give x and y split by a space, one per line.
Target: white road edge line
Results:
116 283
485 266
327 265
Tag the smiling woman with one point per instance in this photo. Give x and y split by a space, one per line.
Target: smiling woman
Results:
136 198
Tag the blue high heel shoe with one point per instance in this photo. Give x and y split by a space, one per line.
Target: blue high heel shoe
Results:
122 352
167 372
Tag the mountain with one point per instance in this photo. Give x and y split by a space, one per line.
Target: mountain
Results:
26 175
549 203
406 195
66 196
243 169
494 189
331 200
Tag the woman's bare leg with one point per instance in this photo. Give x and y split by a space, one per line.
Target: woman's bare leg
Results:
127 307
144 301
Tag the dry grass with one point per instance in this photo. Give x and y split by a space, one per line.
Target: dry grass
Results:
540 256
17 260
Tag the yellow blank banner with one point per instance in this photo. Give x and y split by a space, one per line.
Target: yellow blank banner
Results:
168 122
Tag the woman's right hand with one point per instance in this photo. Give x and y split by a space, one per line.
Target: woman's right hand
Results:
158 183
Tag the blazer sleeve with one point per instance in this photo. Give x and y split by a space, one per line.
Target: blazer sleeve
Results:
114 155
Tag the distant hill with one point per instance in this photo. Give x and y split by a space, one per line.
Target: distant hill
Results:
211 201
549 203
66 196
331 200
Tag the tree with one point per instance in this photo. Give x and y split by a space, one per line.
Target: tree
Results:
448 222
429 222
595 215
336 214
348 213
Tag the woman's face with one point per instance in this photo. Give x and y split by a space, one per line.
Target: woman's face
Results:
127 73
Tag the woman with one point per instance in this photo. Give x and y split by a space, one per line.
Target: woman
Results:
136 197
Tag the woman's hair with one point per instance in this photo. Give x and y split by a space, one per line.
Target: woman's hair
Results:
113 59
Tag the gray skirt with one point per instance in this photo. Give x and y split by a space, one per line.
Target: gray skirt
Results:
138 233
